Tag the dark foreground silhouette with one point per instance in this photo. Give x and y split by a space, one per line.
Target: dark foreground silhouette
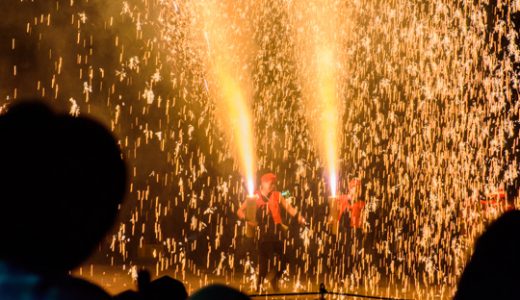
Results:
165 288
62 179
494 269
218 292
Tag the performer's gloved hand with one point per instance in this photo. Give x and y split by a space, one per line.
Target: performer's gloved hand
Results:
302 220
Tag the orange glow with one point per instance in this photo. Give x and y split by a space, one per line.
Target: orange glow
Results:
333 183
329 114
239 122
318 38
251 187
230 84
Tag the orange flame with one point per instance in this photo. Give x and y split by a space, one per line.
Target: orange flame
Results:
230 83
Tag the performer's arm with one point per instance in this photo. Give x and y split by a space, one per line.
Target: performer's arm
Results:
242 211
344 204
291 210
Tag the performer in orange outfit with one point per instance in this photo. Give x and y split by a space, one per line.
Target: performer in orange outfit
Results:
353 204
270 230
351 220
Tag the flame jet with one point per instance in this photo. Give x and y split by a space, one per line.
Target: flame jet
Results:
222 26
319 31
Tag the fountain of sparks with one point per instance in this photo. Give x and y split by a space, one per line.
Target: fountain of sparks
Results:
230 82
319 34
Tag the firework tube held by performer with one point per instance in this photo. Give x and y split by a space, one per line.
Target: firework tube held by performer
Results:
262 213
250 215
334 214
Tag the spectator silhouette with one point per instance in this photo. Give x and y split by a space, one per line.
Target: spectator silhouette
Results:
218 292
61 181
494 269
165 288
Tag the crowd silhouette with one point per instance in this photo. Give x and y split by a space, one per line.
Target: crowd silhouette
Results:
61 183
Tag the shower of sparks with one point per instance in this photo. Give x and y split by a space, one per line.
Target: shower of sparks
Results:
319 36
231 80
419 99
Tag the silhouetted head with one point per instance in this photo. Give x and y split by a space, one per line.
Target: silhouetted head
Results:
494 269
166 288
129 295
218 292
62 179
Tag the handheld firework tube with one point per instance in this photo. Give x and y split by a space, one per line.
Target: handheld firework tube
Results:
334 214
250 216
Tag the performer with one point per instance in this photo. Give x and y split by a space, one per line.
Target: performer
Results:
270 230
351 208
353 203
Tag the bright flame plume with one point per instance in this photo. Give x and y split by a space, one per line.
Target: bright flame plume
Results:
319 35
229 80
